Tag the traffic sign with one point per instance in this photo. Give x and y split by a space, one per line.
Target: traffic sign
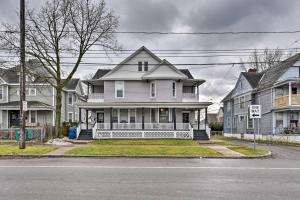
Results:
255 111
25 106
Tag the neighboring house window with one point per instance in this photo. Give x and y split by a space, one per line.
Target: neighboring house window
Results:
140 66
241 85
70 117
235 122
294 90
70 98
145 66
33 116
279 119
152 89
228 122
1 92
28 91
174 89
119 89
242 118
250 123
228 106
242 102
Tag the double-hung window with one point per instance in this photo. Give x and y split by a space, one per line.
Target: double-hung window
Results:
1 92
152 89
140 66
250 123
174 89
242 102
119 89
145 66
70 98
70 116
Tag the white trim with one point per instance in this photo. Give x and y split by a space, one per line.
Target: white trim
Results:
174 96
1 88
70 104
153 82
243 102
72 116
3 80
123 89
248 123
102 111
53 99
29 116
53 117
7 93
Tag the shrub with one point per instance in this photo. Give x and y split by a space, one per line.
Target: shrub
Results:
216 126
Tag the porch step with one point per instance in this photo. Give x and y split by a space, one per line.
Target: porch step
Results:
86 135
200 135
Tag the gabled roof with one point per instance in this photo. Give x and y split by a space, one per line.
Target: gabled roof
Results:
100 73
181 75
272 74
187 73
253 78
143 48
72 84
228 96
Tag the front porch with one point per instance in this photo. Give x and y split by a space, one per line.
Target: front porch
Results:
143 122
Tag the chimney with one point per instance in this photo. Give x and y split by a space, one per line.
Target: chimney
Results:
252 70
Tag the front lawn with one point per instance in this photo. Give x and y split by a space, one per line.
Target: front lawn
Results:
167 142
8 149
107 150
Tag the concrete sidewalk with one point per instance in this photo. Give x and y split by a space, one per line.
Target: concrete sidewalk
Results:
224 150
60 150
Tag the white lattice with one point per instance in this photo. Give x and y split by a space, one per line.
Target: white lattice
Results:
183 135
127 134
159 134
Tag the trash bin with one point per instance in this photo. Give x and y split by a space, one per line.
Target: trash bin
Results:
17 133
72 133
28 134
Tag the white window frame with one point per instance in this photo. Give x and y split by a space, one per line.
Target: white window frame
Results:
228 106
35 115
28 92
72 120
248 118
142 66
153 82
69 98
1 88
244 102
174 89
123 89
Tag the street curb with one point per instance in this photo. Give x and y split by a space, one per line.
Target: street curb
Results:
10 156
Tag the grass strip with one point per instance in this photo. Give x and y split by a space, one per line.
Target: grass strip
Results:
14 150
248 151
142 151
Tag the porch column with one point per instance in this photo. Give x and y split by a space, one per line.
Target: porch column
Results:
143 119
290 93
205 117
111 119
174 118
198 119
87 118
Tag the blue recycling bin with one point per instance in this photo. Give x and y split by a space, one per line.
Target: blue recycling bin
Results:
72 133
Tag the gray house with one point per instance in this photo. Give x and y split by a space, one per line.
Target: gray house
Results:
142 97
40 97
277 90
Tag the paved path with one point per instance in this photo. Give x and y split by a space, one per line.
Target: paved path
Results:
224 150
61 150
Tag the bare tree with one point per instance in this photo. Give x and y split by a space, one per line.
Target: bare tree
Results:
266 59
59 28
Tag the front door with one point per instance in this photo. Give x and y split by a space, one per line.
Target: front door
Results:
100 117
186 117
14 118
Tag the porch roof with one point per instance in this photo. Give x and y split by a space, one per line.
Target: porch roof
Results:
32 105
287 108
144 104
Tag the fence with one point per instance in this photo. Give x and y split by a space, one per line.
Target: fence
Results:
36 133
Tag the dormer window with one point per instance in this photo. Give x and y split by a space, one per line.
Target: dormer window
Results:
145 66
140 67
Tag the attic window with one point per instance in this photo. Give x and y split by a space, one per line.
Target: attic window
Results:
145 66
140 67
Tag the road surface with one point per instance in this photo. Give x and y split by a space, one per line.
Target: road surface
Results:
170 179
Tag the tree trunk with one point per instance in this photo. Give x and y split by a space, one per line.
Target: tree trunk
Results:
58 111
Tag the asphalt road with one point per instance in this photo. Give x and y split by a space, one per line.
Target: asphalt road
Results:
54 179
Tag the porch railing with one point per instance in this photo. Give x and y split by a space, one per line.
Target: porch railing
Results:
282 101
189 96
139 126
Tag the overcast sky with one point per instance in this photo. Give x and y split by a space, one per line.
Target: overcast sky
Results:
193 16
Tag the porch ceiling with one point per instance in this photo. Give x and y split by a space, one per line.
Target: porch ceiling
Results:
144 104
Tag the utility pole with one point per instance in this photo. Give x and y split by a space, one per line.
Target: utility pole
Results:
22 75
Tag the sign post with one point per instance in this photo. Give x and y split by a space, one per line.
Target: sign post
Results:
255 113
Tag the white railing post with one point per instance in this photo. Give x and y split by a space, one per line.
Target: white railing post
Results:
94 130
290 93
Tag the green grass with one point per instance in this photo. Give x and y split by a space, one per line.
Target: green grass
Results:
166 142
28 150
248 151
143 151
